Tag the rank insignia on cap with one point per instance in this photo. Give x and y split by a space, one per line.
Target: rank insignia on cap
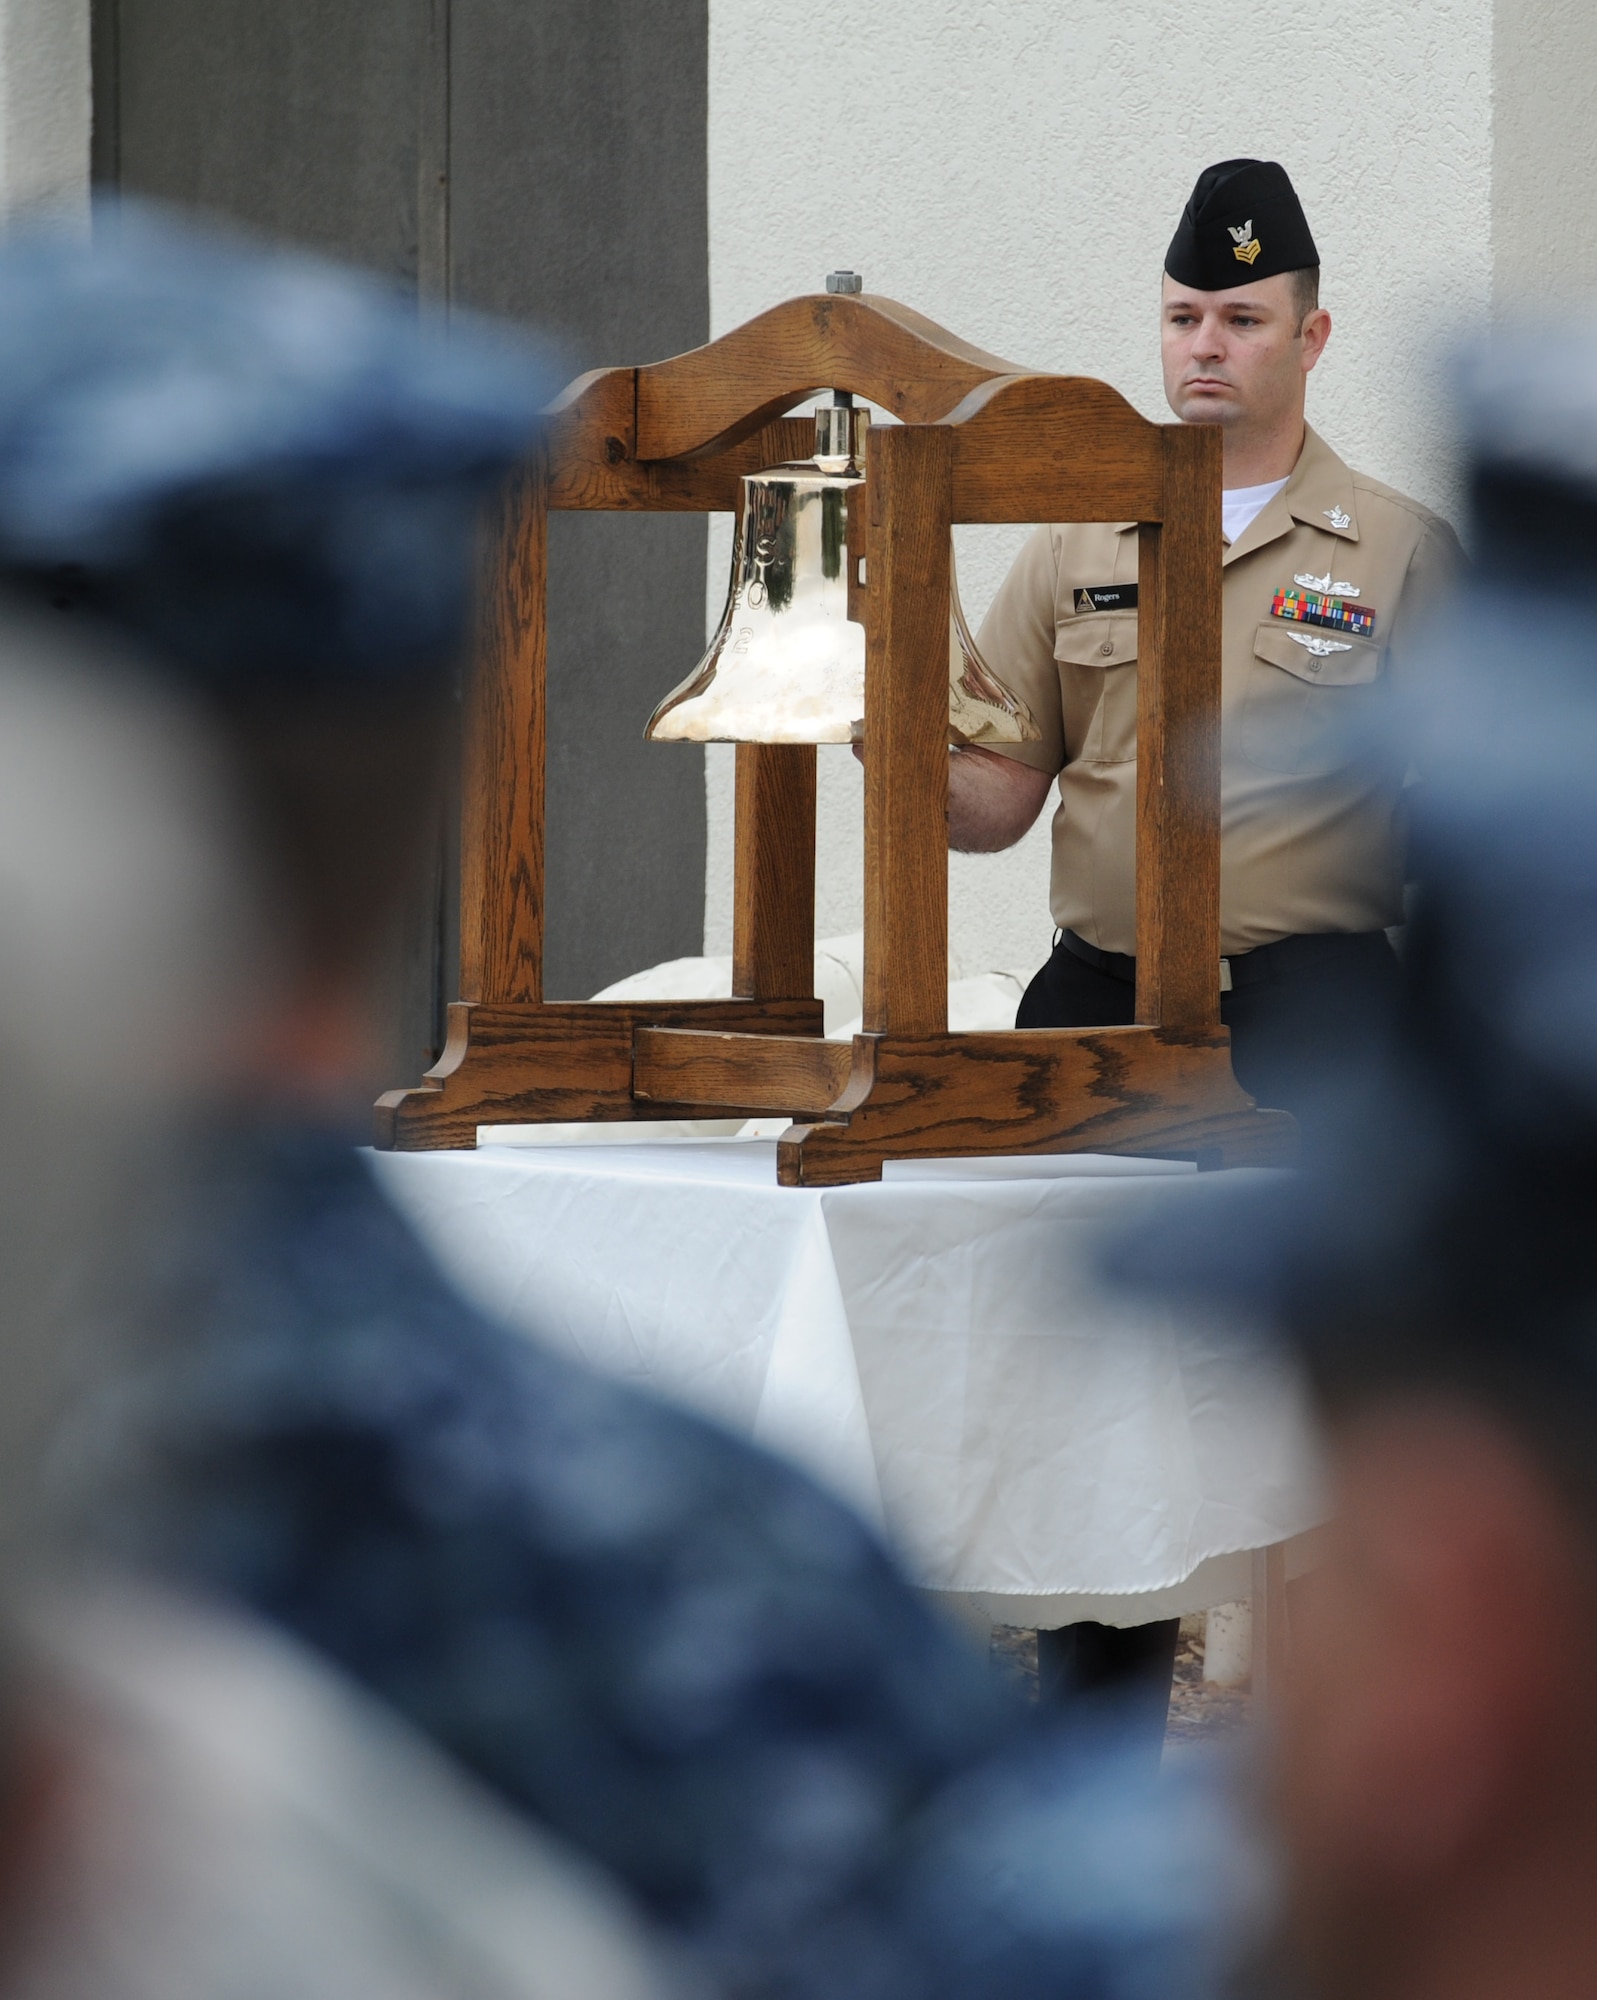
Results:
1246 246
1105 597
1314 607
1215 250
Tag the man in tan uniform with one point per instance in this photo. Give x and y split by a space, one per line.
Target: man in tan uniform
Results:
1327 576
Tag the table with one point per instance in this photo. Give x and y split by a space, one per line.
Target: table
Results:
934 1347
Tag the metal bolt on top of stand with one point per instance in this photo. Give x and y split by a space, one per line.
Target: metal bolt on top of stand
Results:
844 281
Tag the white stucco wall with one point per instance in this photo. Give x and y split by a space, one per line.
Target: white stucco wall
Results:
1015 169
1544 154
44 104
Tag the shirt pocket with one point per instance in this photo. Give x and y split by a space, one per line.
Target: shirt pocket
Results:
1303 711
1097 660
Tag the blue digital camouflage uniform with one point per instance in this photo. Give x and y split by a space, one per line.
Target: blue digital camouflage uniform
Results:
677 1652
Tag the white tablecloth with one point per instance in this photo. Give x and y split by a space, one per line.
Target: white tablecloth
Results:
934 1347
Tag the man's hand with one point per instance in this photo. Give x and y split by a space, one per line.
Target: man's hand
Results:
992 800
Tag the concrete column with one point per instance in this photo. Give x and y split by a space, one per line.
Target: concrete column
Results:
45 114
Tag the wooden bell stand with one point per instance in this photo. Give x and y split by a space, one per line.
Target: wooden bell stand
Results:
979 440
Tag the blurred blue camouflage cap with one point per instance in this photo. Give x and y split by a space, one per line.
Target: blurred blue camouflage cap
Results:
265 467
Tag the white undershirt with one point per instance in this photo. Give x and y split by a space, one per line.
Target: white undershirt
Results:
1239 505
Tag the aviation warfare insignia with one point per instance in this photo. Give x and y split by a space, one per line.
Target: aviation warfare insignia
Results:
1302 606
1245 246
1311 642
1324 583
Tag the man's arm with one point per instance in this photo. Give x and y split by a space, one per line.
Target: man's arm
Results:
992 800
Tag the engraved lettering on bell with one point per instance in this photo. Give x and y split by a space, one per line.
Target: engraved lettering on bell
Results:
762 561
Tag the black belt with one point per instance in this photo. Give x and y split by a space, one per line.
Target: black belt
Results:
1286 958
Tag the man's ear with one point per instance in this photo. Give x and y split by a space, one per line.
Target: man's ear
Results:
1455 1626
1314 333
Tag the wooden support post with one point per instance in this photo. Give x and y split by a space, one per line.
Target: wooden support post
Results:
1178 740
773 920
910 491
502 777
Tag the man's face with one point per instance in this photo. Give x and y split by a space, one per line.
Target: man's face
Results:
1239 357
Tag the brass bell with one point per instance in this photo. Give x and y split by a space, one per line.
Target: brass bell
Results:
787 663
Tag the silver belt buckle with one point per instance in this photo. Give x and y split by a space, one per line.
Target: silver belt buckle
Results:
1225 975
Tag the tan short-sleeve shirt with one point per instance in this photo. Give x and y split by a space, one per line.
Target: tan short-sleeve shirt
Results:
1311 836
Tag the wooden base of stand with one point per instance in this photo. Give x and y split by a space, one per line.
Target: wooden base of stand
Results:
1164 1092
520 1063
1160 1092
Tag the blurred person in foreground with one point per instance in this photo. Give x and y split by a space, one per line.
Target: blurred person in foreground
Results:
674 1652
189 1807
1435 1754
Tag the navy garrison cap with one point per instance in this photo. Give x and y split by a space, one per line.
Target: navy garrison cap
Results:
1453 1219
1244 221
265 468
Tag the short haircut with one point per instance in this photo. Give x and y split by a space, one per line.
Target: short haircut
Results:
1305 290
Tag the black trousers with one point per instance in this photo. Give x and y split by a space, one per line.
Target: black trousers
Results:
1303 1027
1305 1015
